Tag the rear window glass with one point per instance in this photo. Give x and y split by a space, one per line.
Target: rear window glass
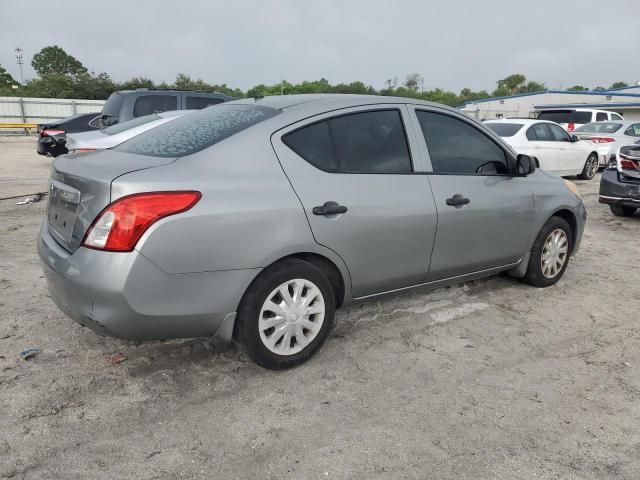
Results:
504 129
566 116
599 127
196 131
121 127
198 103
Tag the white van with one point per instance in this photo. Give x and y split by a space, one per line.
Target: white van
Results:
572 118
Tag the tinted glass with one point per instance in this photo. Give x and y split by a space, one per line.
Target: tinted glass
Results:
111 110
196 131
538 133
313 143
121 127
565 116
601 127
198 103
504 129
558 134
601 117
456 147
148 104
371 142
633 130
615 116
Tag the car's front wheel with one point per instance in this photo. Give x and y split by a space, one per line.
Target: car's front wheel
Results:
622 211
550 253
590 167
286 314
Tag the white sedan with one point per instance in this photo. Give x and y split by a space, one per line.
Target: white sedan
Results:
555 149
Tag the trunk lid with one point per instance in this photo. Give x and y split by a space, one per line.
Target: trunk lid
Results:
80 188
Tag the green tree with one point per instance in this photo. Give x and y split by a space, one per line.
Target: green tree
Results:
94 87
137 82
414 81
54 60
578 88
50 86
6 83
511 84
615 85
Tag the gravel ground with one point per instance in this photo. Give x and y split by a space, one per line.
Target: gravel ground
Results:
488 380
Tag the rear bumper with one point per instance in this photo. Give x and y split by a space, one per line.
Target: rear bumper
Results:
124 295
617 193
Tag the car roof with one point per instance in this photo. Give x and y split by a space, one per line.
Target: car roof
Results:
319 102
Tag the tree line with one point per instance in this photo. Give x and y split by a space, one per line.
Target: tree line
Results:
60 75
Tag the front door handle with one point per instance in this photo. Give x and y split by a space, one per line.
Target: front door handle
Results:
457 200
329 208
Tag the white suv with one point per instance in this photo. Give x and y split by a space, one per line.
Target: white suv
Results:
572 118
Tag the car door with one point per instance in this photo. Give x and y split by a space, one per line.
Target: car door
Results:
363 189
485 213
571 156
542 147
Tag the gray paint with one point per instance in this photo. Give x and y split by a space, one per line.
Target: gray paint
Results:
189 271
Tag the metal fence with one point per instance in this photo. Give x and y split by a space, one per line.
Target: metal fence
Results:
41 110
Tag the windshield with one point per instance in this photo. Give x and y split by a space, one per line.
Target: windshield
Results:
600 127
565 116
121 127
197 131
505 129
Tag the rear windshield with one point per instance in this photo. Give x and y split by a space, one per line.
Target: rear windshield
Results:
565 116
196 131
505 129
600 127
121 127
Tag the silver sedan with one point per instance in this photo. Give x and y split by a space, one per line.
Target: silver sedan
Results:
255 219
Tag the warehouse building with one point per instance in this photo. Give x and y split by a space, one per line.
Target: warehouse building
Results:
625 101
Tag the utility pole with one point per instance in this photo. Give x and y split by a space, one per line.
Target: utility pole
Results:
19 60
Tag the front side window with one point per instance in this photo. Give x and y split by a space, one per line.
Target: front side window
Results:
366 142
504 129
148 104
456 147
558 134
198 103
196 131
538 133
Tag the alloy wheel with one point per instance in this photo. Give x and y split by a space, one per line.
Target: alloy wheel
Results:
291 316
554 253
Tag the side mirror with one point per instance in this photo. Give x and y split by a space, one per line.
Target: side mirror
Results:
525 165
575 138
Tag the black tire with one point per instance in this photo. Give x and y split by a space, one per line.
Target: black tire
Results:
623 211
246 332
590 167
534 275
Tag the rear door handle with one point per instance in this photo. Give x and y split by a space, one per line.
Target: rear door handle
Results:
457 200
329 208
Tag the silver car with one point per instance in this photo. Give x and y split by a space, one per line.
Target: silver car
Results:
116 134
255 219
609 137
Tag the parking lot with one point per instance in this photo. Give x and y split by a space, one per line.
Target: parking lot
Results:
491 379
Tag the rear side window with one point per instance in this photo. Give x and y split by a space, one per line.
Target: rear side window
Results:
148 104
601 117
633 130
504 129
615 116
196 131
538 133
198 103
455 147
367 142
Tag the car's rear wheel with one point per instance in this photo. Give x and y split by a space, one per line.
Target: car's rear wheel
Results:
286 314
550 253
623 211
590 167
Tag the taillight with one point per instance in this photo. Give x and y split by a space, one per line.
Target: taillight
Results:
49 132
602 139
628 164
119 227
571 127
83 150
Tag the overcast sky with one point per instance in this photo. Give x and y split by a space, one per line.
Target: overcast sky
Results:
453 44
